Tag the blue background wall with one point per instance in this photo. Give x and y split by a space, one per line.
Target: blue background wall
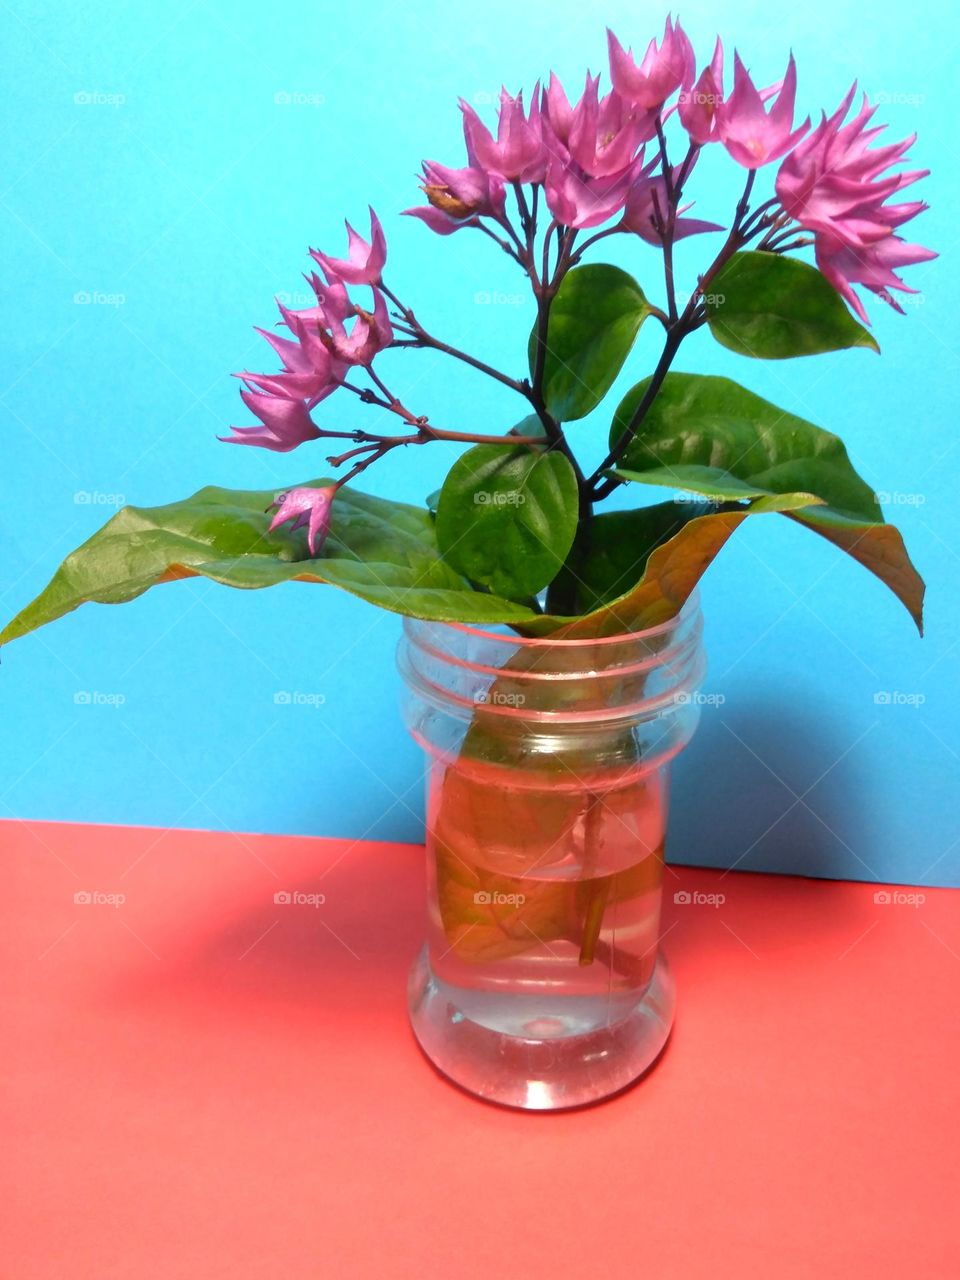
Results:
149 163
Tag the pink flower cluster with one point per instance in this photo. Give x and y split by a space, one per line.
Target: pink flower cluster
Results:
833 185
590 157
587 157
600 159
320 349
589 160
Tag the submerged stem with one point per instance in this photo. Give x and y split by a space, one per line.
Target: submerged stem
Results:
599 890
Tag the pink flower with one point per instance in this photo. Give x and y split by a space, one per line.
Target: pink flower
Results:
751 135
333 302
310 507
458 197
310 372
518 153
442 223
555 109
698 106
662 70
872 265
603 135
831 183
577 200
365 261
646 210
370 334
592 150
286 423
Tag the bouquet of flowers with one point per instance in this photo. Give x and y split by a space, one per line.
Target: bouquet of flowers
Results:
516 534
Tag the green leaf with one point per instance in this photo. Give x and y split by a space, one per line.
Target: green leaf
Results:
529 426
594 320
878 547
507 517
670 574
384 552
713 437
775 307
716 485
613 556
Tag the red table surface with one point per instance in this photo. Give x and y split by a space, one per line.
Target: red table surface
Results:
202 1082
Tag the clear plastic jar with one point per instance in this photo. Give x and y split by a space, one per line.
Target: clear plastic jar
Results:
541 984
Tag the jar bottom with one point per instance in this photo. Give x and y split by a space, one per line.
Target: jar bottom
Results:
553 1064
